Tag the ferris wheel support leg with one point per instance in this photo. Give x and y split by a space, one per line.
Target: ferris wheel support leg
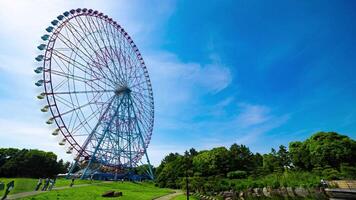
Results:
71 169
150 171
86 169
101 140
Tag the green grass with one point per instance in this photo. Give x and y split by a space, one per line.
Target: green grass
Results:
29 184
183 197
137 191
21 184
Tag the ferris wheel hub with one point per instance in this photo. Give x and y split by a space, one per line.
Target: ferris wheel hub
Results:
122 90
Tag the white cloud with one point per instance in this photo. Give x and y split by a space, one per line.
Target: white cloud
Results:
30 135
251 115
177 82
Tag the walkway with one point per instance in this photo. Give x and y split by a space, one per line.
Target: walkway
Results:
170 196
31 193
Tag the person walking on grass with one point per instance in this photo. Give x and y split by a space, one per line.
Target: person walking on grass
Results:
45 186
72 183
52 182
39 183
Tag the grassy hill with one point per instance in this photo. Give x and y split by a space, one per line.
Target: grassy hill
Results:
137 191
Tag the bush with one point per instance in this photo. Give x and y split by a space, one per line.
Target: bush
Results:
237 175
348 171
331 174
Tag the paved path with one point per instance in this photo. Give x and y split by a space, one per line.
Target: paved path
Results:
31 193
170 196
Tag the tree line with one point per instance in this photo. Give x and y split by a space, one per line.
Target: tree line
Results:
30 163
326 155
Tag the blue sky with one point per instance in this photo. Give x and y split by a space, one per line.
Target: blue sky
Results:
252 72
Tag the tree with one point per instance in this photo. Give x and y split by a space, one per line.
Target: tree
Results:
323 149
213 162
283 157
29 163
241 158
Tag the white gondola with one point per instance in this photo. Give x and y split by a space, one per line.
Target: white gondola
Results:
45 108
41 96
50 121
55 132
62 142
70 150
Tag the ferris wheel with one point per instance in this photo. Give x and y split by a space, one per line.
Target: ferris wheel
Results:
97 88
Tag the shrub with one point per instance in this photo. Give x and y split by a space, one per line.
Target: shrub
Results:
237 175
331 174
348 171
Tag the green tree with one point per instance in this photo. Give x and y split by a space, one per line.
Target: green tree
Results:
213 162
323 149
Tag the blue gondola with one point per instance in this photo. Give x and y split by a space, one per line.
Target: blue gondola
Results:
39 58
54 22
60 17
45 37
49 29
39 83
41 47
38 70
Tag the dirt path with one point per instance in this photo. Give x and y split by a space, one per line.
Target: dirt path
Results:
31 193
170 196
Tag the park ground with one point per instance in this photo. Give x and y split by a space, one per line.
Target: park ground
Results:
89 190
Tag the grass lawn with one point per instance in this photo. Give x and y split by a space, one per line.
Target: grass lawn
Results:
183 197
131 191
29 184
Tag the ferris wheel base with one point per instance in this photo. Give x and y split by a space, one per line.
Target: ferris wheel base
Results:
92 173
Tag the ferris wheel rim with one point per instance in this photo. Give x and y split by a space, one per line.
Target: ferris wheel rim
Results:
49 88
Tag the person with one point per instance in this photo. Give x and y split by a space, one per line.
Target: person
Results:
9 187
324 184
52 182
72 183
45 186
39 183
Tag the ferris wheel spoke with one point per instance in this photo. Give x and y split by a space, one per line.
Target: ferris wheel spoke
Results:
72 61
92 115
136 83
139 111
96 41
106 52
77 78
64 101
121 58
113 54
118 53
117 69
89 138
82 40
82 92
98 67
138 94
66 41
142 104
86 54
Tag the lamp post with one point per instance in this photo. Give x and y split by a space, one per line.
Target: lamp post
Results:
187 183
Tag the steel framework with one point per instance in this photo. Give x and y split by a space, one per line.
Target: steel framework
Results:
98 90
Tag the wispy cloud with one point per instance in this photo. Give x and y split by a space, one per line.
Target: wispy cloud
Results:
251 115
